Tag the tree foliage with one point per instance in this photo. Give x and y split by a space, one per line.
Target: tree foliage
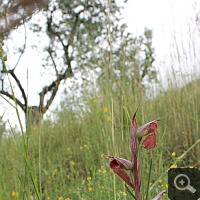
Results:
132 59
16 12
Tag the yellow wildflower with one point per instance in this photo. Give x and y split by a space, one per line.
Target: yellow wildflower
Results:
166 186
99 171
72 163
48 197
160 180
173 154
81 147
90 189
88 178
15 194
124 193
85 145
109 119
105 109
104 171
173 166
67 176
60 198
94 100
68 149
34 128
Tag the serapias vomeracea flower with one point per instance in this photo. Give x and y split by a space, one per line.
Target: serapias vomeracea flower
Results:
118 165
146 129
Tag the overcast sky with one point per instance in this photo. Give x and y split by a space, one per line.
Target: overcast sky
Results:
169 19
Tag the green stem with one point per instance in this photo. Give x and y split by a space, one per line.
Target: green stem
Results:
149 178
130 192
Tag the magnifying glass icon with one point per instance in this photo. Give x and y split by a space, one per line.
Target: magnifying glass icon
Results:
185 186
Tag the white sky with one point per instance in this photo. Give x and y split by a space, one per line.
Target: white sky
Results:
167 18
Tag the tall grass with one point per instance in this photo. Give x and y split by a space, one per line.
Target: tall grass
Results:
65 153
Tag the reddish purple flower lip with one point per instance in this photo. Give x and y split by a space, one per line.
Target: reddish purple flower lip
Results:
146 129
120 164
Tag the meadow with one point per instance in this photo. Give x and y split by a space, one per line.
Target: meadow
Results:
61 157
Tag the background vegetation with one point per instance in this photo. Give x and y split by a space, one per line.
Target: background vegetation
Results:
60 158
65 153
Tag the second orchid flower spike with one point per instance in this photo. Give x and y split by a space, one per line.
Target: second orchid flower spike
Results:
146 129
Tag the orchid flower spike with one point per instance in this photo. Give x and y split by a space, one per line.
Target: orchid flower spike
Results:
146 129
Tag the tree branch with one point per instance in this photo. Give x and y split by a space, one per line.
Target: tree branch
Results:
23 107
74 27
54 88
11 72
49 102
53 61
66 47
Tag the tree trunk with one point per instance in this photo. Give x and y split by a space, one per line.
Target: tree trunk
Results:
34 115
